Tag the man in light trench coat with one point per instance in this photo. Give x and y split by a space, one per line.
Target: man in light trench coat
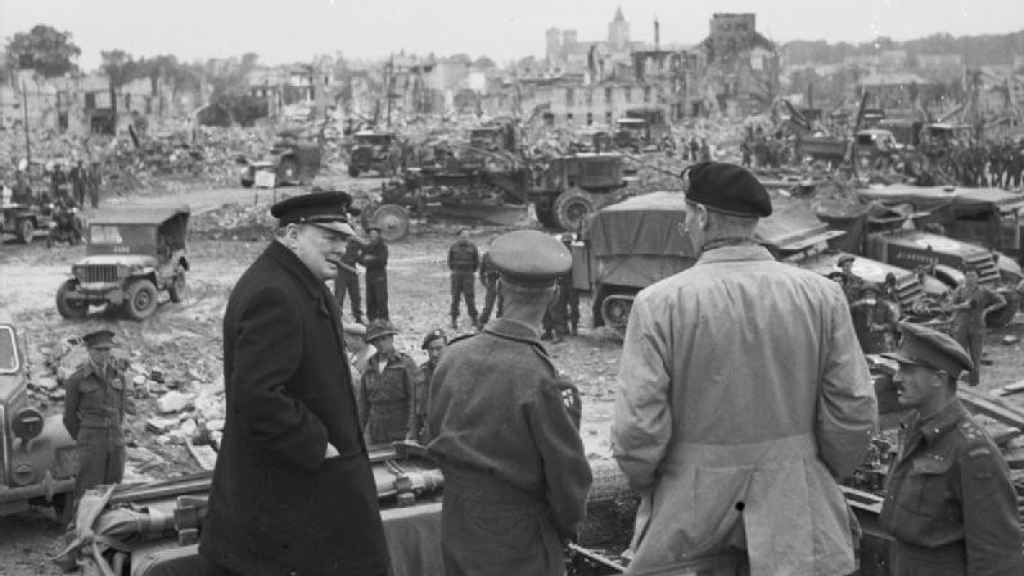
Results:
743 397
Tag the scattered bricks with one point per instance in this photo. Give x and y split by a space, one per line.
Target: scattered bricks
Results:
47 383
173 401
156 376
139 380
160 425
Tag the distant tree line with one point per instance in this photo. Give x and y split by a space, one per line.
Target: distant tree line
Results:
991 49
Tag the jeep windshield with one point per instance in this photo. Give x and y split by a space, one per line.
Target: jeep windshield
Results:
9 361
121 239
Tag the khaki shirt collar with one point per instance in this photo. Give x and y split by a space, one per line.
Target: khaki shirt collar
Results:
735 253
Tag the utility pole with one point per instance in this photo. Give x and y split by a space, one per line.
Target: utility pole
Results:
388 79
24 109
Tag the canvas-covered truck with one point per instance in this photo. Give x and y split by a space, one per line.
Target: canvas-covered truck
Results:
38 458
627 247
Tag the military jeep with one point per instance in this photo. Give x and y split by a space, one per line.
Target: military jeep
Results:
38 459
132 254
374 151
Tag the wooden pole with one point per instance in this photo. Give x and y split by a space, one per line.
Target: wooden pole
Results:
24 109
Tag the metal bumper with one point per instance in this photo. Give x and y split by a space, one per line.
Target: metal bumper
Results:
98 294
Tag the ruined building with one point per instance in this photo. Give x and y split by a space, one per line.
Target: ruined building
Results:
742 66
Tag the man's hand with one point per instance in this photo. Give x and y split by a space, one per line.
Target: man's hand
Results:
331 451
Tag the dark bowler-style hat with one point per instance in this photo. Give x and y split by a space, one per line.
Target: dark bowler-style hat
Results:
923 346
727 188
328 210
103 339
529 258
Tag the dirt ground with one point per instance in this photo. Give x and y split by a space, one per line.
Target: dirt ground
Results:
186 337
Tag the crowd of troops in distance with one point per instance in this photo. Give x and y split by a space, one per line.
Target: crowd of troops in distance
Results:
954 161
67 186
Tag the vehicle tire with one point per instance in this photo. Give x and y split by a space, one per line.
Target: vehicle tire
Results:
393 221
26 230
572 208
141 299
615 310
353 171
67 307
177 288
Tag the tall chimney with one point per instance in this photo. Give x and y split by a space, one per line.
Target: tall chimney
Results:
657 34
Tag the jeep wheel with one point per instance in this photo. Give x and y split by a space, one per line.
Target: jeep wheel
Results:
572 208
141 299
393 221
247 183
177 288
68 306
353 171
26 230
287 171
615 310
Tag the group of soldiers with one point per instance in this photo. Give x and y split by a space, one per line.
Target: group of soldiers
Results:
974 163
876 312
743 398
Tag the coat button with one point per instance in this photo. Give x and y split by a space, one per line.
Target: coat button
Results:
740 506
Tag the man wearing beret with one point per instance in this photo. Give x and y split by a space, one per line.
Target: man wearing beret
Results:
386 396
743 397
94 409
292 491
434 343
950 504
516 477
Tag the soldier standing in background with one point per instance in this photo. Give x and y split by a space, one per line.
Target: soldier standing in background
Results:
94 409
971 303
463 261
347 280
95 181
489 278
387 389
563 315
950 505
434 343
375 260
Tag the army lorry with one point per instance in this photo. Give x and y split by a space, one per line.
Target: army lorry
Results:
290 162
987 216
570 188
374 150
634 243
889 236
132 255
38 458
641 129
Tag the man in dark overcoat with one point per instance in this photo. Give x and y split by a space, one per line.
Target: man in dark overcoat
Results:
375 259
292 490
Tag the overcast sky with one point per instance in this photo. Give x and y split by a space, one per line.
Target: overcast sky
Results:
293 30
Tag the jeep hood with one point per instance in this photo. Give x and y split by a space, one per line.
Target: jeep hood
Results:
134 260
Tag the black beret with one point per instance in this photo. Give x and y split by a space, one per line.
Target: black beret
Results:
729 189
325 209
924 346
529 257
434 334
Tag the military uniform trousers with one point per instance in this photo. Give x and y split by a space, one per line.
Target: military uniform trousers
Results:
462 288
972 338
101 457
348 283
490 528
491 299
377 295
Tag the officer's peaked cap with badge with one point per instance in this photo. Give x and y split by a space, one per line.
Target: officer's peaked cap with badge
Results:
379 328
924 346
727 188
435 334
102 339
328 210
529 258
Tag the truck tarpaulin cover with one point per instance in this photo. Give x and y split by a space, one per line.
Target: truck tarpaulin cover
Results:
639 241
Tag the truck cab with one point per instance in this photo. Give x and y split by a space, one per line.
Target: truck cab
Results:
38 458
